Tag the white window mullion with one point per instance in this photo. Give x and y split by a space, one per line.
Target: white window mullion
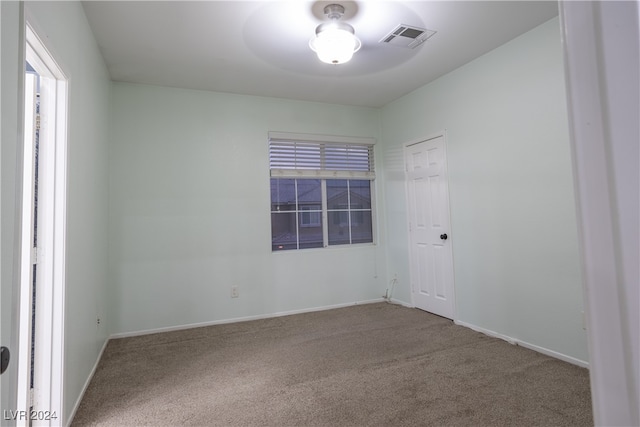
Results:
295 186
325 216
349 210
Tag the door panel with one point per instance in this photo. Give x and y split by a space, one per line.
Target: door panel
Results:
428 207
422 257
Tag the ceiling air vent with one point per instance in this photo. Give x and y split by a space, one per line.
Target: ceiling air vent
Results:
407 36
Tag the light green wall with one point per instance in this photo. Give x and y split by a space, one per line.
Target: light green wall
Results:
64 29
513 218
189 210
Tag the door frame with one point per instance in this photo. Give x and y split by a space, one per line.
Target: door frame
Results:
49 333
443 134
599 40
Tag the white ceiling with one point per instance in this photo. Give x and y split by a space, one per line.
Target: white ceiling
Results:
261 47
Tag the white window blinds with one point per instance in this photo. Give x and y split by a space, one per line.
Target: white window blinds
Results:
292 156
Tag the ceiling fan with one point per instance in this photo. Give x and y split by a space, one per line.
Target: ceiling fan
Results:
335 41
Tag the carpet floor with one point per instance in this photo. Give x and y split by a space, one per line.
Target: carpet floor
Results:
365 365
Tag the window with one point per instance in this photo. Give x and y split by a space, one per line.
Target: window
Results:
349 208
321 191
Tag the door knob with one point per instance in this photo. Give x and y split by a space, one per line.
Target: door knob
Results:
4 359
444 236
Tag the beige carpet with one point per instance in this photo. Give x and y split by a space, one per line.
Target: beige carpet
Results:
376 364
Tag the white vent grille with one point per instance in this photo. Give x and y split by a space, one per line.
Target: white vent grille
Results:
407 36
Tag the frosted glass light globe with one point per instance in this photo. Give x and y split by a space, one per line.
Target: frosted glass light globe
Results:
335 45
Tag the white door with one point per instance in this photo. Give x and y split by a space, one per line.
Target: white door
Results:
429 232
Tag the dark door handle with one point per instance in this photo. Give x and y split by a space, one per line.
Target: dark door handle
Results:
444 236
4 359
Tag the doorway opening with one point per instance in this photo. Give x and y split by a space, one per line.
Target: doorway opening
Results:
41 339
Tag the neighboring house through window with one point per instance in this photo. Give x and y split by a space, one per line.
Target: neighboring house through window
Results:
321 191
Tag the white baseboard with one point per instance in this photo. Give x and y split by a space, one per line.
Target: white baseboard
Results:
514 341
241 319
402 303
86 384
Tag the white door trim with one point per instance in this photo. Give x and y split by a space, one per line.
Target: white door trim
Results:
49 332
600 42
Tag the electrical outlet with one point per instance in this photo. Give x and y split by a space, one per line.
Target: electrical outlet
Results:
234 292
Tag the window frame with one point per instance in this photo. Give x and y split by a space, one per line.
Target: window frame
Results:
324 176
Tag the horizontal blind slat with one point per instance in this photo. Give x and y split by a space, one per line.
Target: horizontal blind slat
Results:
328 158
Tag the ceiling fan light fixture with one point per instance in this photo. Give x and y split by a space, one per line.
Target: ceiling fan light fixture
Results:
335 42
